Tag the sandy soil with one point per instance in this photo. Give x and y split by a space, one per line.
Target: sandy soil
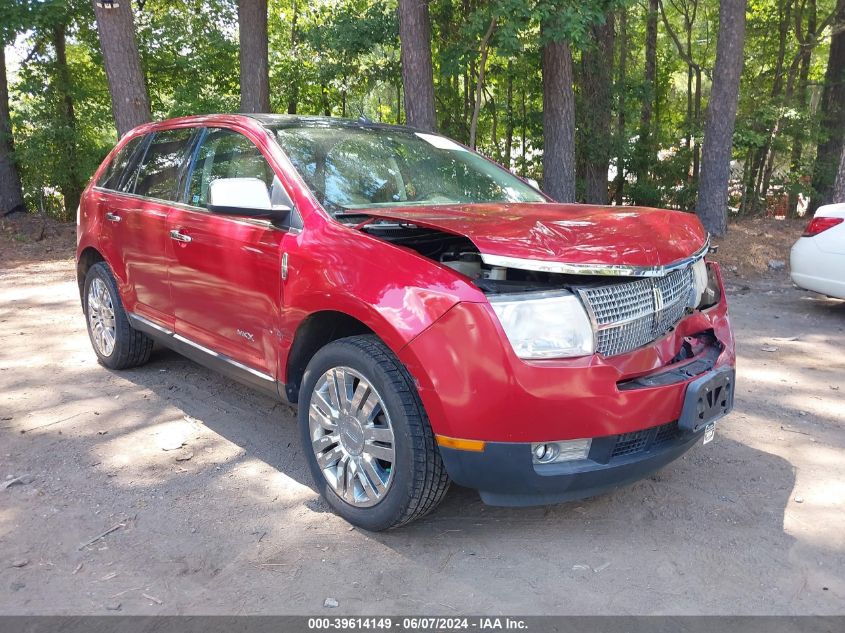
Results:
752 245
753 523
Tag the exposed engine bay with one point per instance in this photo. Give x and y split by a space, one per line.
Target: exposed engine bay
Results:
460 254
616 314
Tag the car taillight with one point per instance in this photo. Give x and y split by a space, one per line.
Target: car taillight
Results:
817 225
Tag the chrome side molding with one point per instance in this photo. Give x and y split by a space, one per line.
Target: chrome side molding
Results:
206 356
224 358
139 320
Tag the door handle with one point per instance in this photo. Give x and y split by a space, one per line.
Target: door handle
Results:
112 217
179 237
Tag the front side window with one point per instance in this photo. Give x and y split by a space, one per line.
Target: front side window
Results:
228 154
162 166
350 168
119 169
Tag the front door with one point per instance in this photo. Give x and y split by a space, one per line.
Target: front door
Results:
226 271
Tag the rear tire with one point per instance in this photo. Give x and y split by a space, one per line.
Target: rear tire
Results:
360 412
116 343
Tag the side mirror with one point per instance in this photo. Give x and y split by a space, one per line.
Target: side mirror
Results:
245 197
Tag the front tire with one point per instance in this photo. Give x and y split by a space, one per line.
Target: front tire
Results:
366 436
116 343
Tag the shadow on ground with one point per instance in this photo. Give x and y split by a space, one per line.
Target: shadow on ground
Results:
228 521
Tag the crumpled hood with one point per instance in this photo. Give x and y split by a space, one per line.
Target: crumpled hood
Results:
565 233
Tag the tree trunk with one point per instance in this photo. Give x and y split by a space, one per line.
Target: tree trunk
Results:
801 98
747 177
11 195
127 86
767 153
839 184
470 76
696 147
252 53
465 108
71 185
494 128
479 84
417 74
524 134
509 117
721 116
597 98
293 100
621 91
692 122
690 94
832 115
643 151
324 97
558 122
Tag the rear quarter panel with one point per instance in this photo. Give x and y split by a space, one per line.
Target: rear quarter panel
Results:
832 240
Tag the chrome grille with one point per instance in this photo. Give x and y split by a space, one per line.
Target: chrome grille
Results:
630 314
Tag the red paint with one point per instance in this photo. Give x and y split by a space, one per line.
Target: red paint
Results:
569 233
228 278
138 250
225 280
493 395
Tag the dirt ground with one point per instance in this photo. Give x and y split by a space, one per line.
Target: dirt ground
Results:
753 523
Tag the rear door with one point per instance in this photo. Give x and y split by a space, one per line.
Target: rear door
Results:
138 215
225 276
112 206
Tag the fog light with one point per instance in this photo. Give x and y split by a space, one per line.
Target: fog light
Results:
545 453
552 452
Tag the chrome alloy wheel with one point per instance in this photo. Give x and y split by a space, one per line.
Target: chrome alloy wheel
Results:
101 317
351 436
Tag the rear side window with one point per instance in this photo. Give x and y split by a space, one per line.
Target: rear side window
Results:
163 163
120 167
228 154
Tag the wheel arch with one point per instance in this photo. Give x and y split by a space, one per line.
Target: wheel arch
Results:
87 258
315 332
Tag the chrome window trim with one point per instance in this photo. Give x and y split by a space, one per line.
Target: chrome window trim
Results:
618 270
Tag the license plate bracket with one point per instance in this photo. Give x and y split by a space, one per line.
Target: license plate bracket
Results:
707 399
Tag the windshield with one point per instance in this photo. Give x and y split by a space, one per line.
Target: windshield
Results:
349 168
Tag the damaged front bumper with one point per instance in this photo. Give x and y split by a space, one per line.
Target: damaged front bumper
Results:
474 387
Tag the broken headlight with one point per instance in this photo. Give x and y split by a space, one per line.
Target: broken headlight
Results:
712 292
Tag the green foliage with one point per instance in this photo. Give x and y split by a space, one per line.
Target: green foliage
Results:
190 54
57 156
342 57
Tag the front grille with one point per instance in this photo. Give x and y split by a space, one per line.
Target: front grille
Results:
639 441
665 433
630 443
633 313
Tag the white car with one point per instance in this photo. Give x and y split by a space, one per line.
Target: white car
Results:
818 257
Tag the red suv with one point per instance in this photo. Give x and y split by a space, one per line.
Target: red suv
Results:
435 317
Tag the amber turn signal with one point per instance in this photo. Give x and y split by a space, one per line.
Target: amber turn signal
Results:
461 445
